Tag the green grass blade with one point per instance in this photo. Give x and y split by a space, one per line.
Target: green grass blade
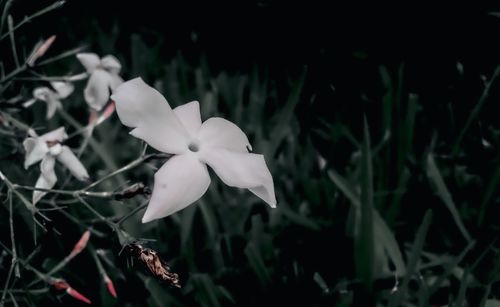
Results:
280 131
490 191
383 234
448 270
417 248
364 241
460 301
442 191
492 303
206 291
345 187
475 112
257 264
484 299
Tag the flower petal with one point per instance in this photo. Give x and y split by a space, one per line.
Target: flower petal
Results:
182 180
111 64
96 92
89 60
57 135
35 150
43 93
52 106
241 170
28 103
145 109
71 162
47 179
189 115
63 89
221 133
115 81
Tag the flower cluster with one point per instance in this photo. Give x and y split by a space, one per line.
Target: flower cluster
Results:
192 147
180 132
103 76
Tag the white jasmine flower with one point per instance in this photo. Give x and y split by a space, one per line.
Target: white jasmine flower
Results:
48 149
103 77
184 178
52 97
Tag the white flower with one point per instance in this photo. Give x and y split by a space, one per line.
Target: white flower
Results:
51 97
184 178
48 149
103 77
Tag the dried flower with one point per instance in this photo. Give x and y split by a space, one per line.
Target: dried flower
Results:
156 266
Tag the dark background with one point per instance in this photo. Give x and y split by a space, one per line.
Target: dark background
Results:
442 53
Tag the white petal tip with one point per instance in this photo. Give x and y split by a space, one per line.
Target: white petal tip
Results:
146 219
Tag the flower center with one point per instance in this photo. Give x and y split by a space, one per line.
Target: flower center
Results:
55 149
194 147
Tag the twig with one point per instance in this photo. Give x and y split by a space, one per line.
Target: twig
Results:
12 238
62 55
131 213
127 167
28 205
5 12
110 164
96 213
10 23
27 19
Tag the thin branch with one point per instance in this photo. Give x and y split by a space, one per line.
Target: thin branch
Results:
12 238
30 18
10 23
5 12
133 212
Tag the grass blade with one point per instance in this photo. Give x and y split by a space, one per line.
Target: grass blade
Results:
364 245
435 178
418 246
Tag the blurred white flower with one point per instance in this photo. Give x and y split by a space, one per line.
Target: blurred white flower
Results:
52 97
104 75
48 149
184 178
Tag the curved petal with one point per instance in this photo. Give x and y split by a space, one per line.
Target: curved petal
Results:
43 93
145 109
189 115
63 89
116 81
220 133
57 135
96 92
47 179
28 103
35 150
71 162
241 170
52 106
182 180
111 64
89 60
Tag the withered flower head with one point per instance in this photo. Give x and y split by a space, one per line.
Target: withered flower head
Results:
155 265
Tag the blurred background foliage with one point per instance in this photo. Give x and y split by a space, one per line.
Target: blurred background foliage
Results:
379 127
